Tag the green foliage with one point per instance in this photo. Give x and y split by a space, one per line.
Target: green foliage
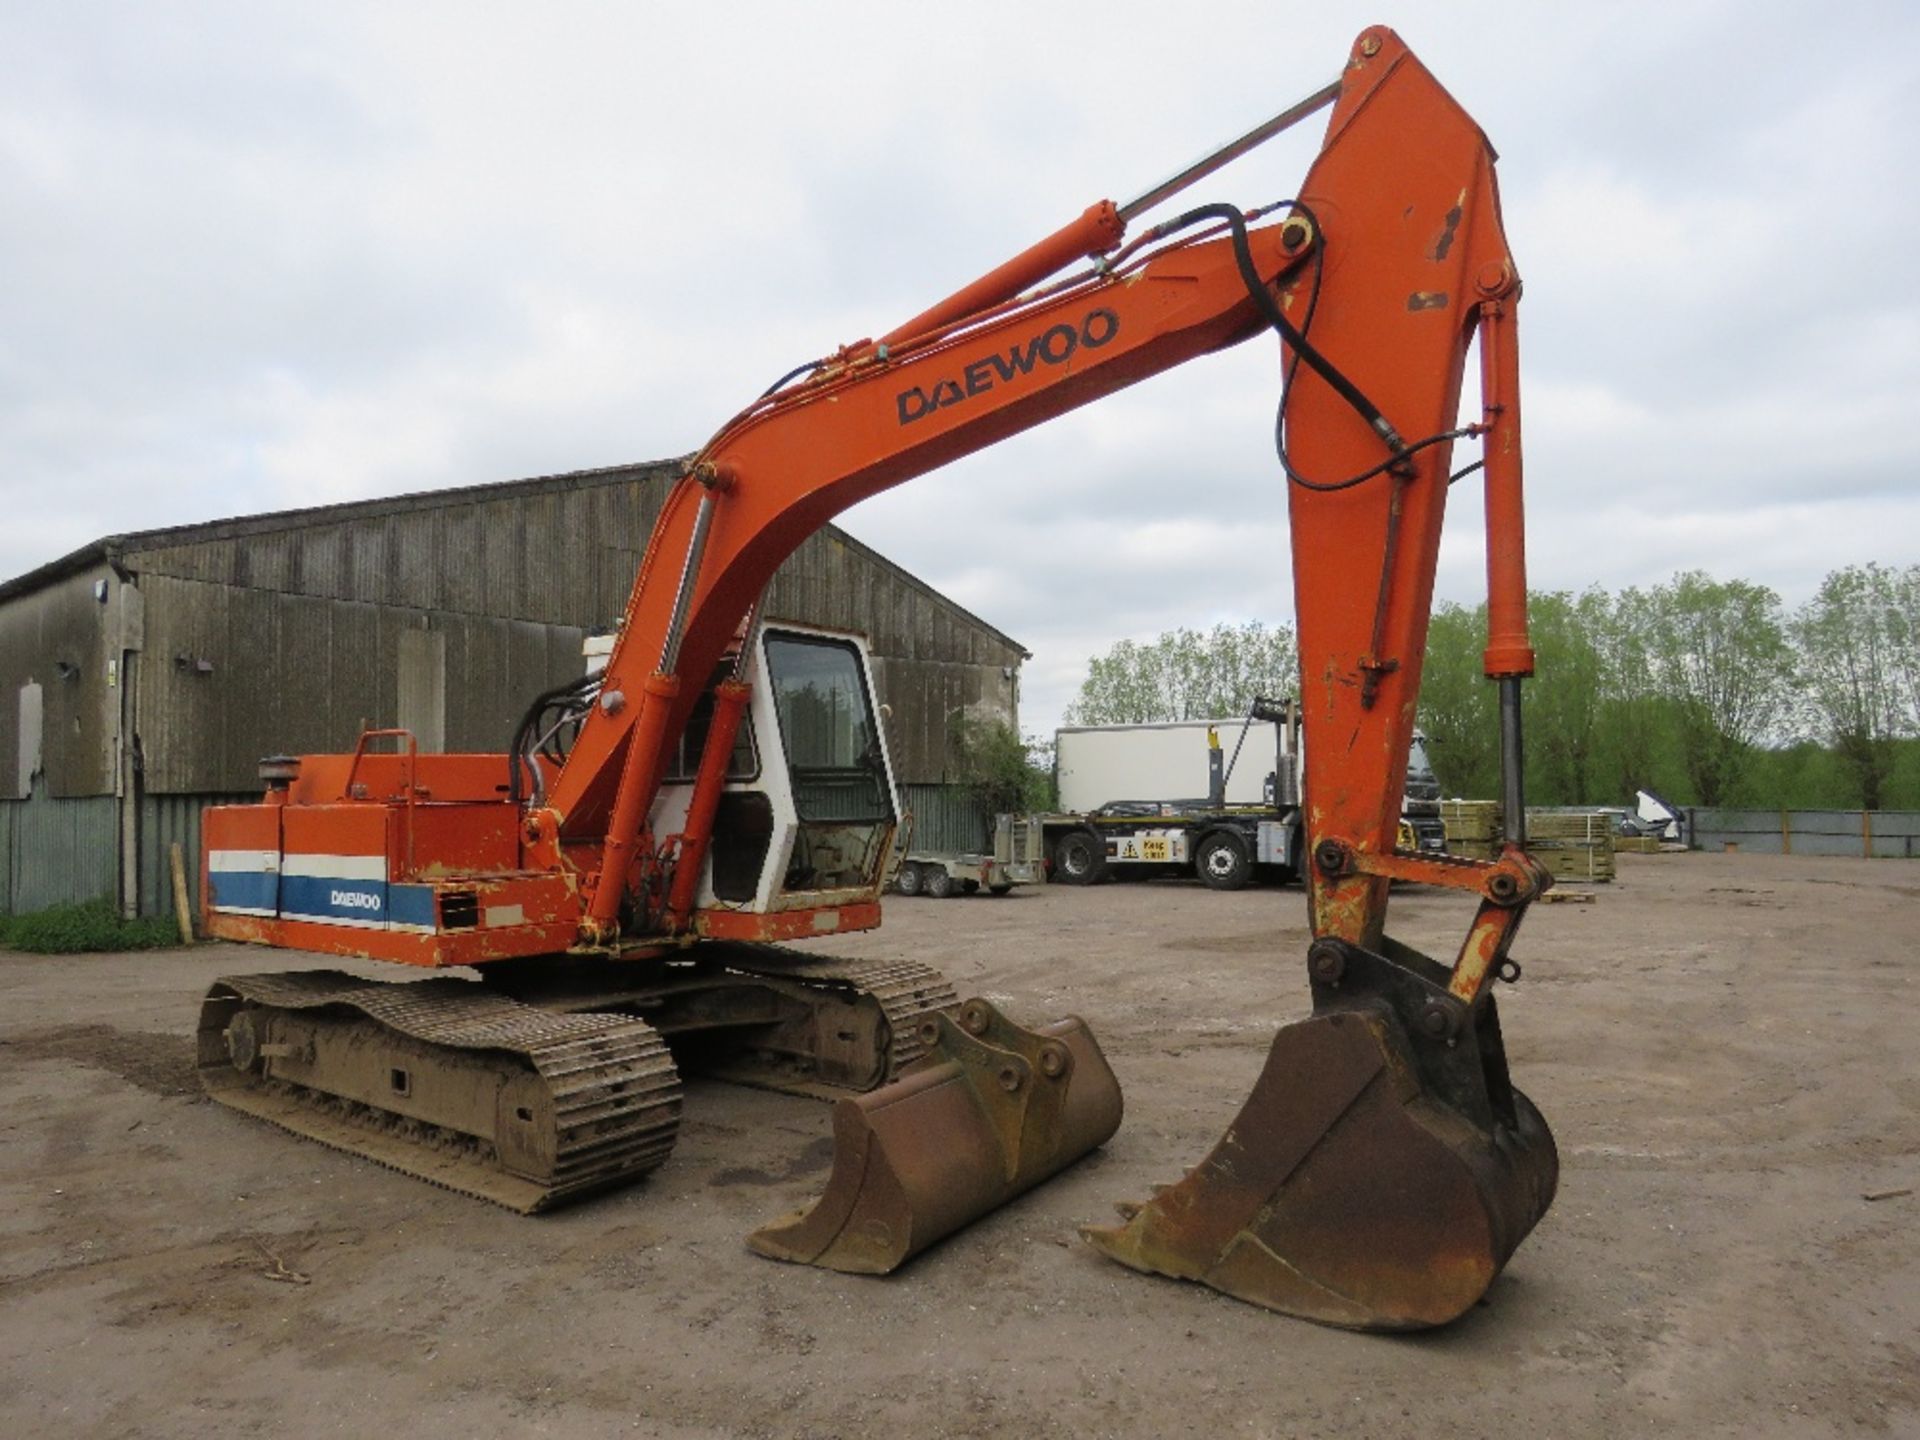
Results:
1719 653
1638 745
1565 706
87 926
999 769
1187 675
1857 656
1705 691
1459 710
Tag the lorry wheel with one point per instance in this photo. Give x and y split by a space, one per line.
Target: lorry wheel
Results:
939 884
1080 858
1001 889
907 882
1222 861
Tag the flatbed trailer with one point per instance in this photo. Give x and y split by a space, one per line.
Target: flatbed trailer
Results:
1018 858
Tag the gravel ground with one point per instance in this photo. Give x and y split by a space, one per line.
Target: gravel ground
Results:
1722 1043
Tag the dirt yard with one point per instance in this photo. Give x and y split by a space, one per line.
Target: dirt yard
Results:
1725 1047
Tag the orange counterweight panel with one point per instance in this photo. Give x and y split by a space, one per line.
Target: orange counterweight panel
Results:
239 862
422 884
324 779
475 839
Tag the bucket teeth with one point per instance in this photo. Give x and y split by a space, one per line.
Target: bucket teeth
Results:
987 1113
1346 1193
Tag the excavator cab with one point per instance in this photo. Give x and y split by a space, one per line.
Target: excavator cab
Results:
807 812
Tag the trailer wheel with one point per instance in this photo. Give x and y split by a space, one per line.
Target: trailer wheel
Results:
907 882
1080 858
1222 861
939 883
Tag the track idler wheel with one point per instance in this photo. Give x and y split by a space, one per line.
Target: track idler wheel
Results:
1347 1191
986 1114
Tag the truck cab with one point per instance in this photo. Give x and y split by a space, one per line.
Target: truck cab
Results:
1420 804
1249 823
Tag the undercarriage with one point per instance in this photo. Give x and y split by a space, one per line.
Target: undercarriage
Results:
543 1082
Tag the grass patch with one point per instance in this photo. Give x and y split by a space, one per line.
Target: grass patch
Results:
89 925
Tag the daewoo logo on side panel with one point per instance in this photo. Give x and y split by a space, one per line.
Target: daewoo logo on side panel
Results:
1053 346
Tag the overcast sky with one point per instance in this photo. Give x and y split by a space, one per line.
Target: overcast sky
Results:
257 256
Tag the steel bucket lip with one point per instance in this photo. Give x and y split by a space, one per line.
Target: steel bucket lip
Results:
1402 1226
991 1111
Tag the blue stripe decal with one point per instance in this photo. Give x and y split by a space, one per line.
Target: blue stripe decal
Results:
315 897
411 905
244 889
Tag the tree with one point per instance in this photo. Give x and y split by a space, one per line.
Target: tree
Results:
997 767
1459 710
1719 653
1851 637
1186 675
1635 718
1564 700
1903 619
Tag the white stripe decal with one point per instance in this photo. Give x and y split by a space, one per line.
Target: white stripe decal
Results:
335 867
243 910
246 862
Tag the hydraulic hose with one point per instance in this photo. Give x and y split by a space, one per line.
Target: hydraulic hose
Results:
529 724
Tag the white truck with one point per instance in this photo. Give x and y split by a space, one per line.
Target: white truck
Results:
1216 798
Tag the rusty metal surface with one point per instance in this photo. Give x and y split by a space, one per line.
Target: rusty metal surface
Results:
444 1080
751 1014
1348 1190
991 1111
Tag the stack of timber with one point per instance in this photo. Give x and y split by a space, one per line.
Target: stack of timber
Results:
1572 844
1638 844
1473 827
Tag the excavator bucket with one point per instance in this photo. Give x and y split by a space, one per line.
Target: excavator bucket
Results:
986 1114
1377 1178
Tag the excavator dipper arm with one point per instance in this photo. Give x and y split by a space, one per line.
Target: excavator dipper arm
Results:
1384 1168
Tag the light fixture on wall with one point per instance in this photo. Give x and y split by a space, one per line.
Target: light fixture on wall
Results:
66 670
193 664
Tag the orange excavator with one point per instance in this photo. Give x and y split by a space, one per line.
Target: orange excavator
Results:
622 877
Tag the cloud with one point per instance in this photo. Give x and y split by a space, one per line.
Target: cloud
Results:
259 258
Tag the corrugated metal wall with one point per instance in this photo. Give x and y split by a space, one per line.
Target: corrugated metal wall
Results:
57 637
295 674
165 819
947 819
57 851
300 618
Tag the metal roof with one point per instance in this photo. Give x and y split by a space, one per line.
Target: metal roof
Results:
121 551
